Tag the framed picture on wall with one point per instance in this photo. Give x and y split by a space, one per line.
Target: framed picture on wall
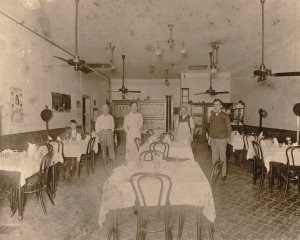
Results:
185 95
61 102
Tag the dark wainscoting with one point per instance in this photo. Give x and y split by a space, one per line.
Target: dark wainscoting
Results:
280 134
19 141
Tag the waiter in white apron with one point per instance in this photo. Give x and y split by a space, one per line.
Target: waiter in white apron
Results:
184 127
133 122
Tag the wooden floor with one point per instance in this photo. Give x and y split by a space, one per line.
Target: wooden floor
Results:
243 210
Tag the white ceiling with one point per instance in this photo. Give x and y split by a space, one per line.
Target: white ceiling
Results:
134 26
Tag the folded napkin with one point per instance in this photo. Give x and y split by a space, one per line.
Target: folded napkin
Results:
58 138
295 144
78 137
87 138
275 142
261 135
50 138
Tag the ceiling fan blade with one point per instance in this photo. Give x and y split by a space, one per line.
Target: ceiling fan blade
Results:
200 93
85 69
99 65
65 60
286 74
58 65
95 71
113 91
224 92
133 91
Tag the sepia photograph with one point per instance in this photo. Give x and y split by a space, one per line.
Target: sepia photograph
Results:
149 119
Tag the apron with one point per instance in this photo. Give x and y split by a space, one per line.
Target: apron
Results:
131 148
183 131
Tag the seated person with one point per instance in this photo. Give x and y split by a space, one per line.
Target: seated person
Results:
72 132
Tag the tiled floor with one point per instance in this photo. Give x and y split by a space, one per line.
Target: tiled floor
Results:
243 210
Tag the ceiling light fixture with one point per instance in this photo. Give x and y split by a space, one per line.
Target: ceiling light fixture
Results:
170 42
214 58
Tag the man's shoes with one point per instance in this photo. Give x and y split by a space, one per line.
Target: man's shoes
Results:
224 178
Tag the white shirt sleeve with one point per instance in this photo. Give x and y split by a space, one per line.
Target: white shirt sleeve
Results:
97 125
141 121
112 124
125 126
192 123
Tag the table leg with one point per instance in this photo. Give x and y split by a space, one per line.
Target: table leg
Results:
20 203
77 167
199 224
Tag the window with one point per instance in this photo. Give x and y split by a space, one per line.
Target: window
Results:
185 95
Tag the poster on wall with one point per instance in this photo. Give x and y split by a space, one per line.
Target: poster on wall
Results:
16 99
61 102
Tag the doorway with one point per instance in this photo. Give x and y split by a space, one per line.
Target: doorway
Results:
86 113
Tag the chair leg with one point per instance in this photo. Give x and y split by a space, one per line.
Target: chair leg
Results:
286 185
49 195
87 167
262 176
254 171
271 178
42 201
180 225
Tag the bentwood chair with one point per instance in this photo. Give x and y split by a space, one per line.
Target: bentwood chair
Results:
138 142
150 211
88 159
291 173
196 139
165 134
160 149
5 192
38 183
217 169
258 164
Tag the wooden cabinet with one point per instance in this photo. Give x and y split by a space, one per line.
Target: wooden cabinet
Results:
154 113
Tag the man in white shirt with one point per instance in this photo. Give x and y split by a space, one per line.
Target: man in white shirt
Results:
105 126
184 127
133 122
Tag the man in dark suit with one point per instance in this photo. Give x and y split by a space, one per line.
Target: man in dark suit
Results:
72 132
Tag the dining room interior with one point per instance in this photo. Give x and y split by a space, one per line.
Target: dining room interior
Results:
154 63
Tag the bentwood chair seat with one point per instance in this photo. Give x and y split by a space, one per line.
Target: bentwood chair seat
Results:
150 155
149 211
38 182
88 159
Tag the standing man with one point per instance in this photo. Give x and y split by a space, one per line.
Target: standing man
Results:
105 126
184 127
219 135
133 123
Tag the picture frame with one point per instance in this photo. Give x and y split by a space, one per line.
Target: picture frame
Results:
185 95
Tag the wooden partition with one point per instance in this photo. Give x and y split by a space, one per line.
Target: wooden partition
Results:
154 113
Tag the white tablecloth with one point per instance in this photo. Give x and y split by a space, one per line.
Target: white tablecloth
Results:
190 186
23 162
77 148
278 154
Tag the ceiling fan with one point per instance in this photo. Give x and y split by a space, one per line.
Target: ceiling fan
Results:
123 89
80 64
263 72
211 91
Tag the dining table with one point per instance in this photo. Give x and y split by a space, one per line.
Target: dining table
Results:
190 186
23 164
277 153
75 148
